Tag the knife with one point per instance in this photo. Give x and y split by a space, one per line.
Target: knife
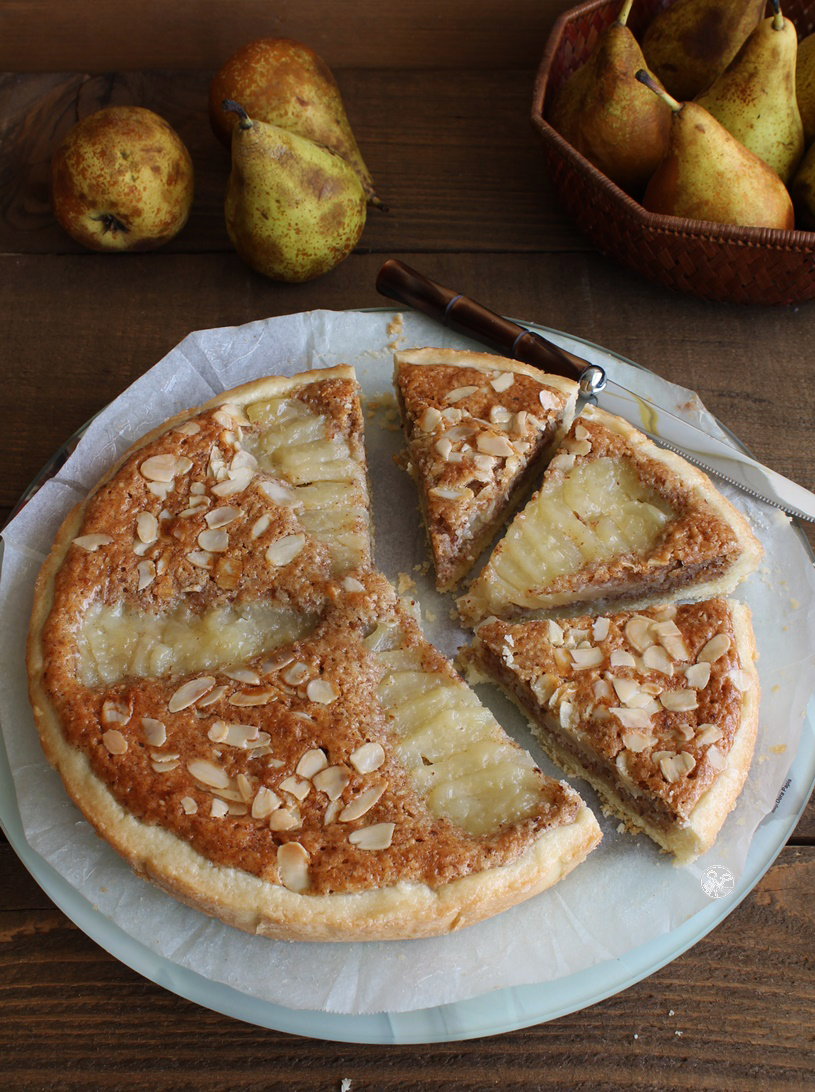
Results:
399 282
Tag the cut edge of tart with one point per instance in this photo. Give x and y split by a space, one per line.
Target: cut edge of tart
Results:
337 781
657 710
617 520
478 428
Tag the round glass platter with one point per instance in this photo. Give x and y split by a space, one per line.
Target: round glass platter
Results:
491 1013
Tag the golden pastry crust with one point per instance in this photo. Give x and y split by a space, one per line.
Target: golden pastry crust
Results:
675 535
478 429
271 789
658 710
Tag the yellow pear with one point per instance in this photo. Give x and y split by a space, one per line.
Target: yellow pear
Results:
607 116
692 41
805 86
754 98
802 189
709 175
294 209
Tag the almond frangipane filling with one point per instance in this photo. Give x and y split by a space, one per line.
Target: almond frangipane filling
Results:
650 700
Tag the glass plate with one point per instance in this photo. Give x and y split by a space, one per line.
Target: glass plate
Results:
493 1013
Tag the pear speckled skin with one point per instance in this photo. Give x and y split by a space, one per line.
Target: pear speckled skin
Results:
690 43
802 189
285 83
708 175
615 122
294 209
122 179
805 86
754 98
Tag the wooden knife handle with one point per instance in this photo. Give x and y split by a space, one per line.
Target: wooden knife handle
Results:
399 282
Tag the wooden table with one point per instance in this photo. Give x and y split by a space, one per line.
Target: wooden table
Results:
439 98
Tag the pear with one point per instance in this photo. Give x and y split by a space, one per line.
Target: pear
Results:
754 98
607 116
294 208
286 83
805 86
802 189
709 175
690 43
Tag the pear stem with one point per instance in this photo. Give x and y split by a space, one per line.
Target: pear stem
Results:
236 108
625 11
778 18
644 76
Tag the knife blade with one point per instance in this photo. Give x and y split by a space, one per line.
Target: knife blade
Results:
400 282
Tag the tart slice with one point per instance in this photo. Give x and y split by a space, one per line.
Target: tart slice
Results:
617 520
478 428
657 710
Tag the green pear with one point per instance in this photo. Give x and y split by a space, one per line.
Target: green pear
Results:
691 42
709 175
294 208
607 116
754 98
805 86
802 189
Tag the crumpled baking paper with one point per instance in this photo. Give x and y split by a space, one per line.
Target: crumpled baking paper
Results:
625 894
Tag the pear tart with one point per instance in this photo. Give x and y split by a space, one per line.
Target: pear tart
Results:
477 430
617 519
658 710
243 708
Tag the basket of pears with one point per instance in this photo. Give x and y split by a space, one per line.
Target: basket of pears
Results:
681 139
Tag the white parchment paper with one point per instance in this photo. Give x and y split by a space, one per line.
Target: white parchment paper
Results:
624 895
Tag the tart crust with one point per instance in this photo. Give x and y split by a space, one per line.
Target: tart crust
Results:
478 430
283 791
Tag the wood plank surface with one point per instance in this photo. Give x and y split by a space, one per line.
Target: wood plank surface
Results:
439 98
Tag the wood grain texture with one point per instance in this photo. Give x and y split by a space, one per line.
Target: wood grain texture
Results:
733 1013
105 35
487 192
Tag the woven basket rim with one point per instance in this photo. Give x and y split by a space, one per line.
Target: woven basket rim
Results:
655 223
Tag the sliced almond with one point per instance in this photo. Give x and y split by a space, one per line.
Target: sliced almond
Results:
247 699
638 632
218 808
189 806
114 741
446 492
214 542
154 731
632 718
655 658
243 675
625 689
265 803
698 675
166 765
331 812
278 492
260 526
679 701
284 550
321 691
146 527
332 781
585 658
292 866
554 632
742 680
443 446
241 736
715 648
562 461
368 757
675 767
708 733
458 393
489 444
600 628
200 558
351 584
212 697
378 836
159 468
147 574
190 692
363 803
296 674
621 658
311 763
502 382
115 712
221 517
295 787
208 773
237 481
715 757
284 819
91 543
637 741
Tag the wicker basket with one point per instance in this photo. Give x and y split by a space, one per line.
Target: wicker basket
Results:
714 261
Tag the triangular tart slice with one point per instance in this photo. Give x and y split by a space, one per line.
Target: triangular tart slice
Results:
657 710
478 429
617 520
345 786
